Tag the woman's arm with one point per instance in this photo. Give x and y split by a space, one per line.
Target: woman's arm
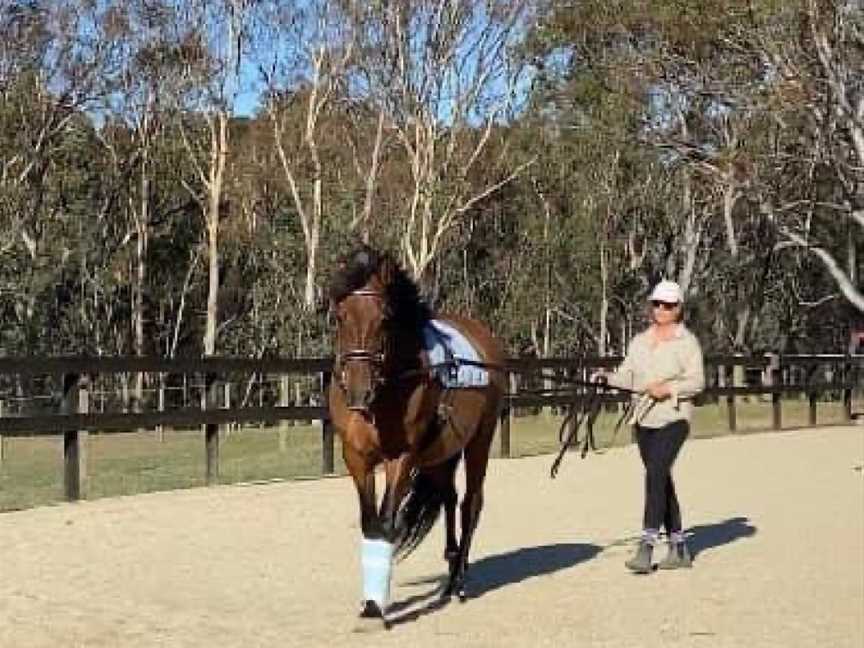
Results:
692 379
623 376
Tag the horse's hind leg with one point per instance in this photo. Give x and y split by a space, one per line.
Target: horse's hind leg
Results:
448 489
442 478
476 462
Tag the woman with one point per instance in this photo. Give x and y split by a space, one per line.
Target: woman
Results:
664 366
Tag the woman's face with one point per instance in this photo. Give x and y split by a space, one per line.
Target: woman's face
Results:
665 312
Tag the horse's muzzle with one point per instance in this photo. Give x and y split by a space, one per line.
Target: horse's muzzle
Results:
359 400
360 378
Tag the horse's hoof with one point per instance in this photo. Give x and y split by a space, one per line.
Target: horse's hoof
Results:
371 610
371 618
462 595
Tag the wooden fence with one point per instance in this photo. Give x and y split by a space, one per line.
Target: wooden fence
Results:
73 383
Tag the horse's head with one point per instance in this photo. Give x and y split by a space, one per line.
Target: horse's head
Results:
361 300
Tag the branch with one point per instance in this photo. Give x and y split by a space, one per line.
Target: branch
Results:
193 263
850 291
495 187
818 302
193 158
372 176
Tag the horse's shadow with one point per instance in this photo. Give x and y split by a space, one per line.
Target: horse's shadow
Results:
494 572
704 537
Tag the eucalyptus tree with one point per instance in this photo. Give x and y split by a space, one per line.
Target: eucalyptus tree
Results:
443 77
134 130
687 95
814 90
302 52
209 41
55 58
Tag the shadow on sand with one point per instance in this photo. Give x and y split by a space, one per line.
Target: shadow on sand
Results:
491 573
705 537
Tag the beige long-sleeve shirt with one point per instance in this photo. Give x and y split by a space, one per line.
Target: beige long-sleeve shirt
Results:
677 361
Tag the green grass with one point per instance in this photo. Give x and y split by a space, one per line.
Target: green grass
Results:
538 434
31 473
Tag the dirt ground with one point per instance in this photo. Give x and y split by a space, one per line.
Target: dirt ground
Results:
777 521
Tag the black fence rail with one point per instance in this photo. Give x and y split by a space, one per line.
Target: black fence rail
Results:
74 396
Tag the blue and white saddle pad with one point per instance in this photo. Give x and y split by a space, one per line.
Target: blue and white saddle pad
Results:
444 343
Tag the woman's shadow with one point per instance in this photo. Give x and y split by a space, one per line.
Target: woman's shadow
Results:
493 572
704 537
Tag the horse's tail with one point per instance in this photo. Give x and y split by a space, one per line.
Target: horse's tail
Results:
417 514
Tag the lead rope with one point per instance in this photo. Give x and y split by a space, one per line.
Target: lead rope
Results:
568 433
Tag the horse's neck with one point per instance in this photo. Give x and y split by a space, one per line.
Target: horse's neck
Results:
408 349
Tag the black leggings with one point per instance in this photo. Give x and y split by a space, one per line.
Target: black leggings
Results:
658 448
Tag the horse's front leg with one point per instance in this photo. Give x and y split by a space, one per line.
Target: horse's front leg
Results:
398 480
376 547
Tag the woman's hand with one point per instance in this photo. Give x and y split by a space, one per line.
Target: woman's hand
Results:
659 390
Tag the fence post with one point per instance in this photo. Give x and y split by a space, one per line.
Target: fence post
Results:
284 401
855 384
812 410
847 389
730 399
506 414
209 398
160 429
74 456
83 435
2 438
328 438
261 381
774 381
226 404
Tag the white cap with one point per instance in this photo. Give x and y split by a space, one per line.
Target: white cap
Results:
667 291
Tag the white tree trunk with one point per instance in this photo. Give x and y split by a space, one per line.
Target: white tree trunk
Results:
604 299
851 291
218 161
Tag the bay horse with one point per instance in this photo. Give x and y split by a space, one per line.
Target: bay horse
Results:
390 406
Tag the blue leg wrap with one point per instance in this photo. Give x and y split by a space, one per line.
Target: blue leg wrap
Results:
377 559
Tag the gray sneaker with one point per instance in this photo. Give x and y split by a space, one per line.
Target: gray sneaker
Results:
678 557
640 563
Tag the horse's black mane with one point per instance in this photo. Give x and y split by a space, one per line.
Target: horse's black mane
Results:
406 305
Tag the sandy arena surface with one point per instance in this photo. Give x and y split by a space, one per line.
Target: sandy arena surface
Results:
778 522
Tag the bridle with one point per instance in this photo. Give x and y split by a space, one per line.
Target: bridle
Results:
375 359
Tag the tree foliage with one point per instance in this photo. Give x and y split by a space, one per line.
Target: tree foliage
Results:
537 164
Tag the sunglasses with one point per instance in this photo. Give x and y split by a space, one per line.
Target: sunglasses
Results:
665 305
